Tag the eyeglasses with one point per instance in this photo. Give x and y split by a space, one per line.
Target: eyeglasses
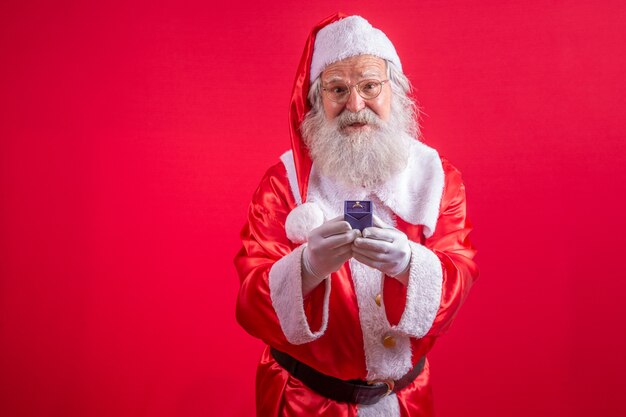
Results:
368 89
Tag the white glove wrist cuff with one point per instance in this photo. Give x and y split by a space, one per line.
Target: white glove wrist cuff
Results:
402 267
306 263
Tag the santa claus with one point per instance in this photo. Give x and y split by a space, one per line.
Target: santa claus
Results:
348 316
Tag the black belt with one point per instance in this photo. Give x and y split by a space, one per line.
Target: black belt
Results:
353 391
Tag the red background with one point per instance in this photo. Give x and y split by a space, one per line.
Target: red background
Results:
133 135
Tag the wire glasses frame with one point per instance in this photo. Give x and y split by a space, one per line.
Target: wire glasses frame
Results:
367 89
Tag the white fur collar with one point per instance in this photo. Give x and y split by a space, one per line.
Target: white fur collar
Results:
414 194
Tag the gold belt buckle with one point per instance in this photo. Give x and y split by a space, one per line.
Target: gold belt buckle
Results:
389 382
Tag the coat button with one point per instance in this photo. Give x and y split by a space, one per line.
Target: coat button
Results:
378 299
389 342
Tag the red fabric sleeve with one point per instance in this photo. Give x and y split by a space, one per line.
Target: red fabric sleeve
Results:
452 246
450 243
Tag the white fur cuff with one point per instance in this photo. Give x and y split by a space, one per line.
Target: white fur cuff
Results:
423 292
285 281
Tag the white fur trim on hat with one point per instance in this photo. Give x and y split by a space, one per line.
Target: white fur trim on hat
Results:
302 220
350 37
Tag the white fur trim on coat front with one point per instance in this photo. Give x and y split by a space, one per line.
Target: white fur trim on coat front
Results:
285 281
382 362
290 167
423 292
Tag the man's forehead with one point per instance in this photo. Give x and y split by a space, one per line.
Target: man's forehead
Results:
359 66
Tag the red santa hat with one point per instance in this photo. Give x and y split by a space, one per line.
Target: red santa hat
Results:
335 38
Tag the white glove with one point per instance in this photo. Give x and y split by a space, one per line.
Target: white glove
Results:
384 248
330 245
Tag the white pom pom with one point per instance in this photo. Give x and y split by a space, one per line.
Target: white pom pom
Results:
302 220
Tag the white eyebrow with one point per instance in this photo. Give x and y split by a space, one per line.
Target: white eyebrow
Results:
364 75
370 73
334 78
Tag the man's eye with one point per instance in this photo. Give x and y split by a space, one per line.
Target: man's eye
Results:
340 89
369 86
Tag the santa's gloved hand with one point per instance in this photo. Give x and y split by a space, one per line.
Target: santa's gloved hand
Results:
385 248
330 245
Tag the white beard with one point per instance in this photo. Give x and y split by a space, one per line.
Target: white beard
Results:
363 158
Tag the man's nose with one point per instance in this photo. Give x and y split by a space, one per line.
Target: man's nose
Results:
355 101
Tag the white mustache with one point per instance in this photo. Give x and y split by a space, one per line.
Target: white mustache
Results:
364 116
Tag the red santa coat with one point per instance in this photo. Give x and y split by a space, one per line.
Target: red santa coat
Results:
339 328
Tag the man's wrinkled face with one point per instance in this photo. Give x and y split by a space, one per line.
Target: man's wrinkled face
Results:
349 72
360 143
